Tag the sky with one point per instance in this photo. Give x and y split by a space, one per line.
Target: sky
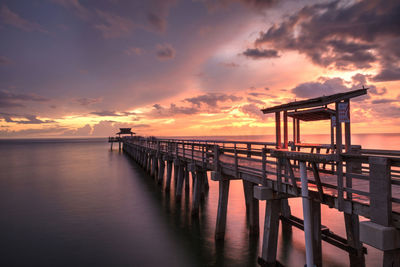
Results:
77 68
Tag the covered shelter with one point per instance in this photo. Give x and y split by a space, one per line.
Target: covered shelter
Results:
316 109
124 131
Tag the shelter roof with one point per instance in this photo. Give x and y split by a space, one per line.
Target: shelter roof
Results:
315 114
316 102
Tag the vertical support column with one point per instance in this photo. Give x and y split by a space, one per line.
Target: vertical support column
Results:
340 162
176 171
294 131
285 130
278 129
169 174
252 207
161 170
153 165
380 202
222 209
308 231
179 185
347 132
353 239
316 228
271 231
186 177
198 176
298 131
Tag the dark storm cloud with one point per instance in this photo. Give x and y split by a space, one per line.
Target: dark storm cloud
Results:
256 53
165 51
9 99
106 113
85 101
211 99
257 4
315 89
26 119
343 36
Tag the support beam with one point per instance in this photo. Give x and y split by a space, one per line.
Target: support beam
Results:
252 207
161 171
285 130
179 184
308 231
169 174
271 231
316 229
352 224
222 209
198 176
278 129
347 132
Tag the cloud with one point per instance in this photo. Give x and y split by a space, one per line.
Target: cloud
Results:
159 111
13 19
384 101
82 131
165 52
253 111
26 119
131 51
256 53
316 89
113 26
9 99
47 131
212 99
81 11
106 113
85 101
255 101
229 64
158 13
213 5
4 61
350 36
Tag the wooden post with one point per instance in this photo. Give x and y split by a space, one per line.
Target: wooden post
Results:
285 130
179 184
186 177
169 174
222 209
316 228
353 239
271 230
161 171
252 207
298 131
340 162
278 129
294 131
197 191
176 171
347 132
153 165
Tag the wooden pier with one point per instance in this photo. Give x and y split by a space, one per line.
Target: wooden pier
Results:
355 181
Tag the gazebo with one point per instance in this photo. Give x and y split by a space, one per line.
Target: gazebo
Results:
123 131
316 109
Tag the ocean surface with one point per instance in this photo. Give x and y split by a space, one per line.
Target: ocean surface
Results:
73 202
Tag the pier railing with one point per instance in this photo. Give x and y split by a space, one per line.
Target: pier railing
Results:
352 189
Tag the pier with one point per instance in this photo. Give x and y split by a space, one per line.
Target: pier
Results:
341 175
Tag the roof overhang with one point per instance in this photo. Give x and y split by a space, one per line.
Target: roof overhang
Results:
315 114
316 102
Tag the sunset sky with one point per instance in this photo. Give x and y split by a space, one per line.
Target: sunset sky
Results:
192 67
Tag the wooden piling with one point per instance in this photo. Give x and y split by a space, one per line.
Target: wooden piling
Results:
179 184
252 208
198 176
161 170
271 230
169 174
222 208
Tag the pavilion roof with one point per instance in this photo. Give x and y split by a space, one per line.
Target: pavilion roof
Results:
316 102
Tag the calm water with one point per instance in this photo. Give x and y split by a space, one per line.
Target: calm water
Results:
75 203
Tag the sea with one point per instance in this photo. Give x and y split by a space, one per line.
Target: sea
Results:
74 202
